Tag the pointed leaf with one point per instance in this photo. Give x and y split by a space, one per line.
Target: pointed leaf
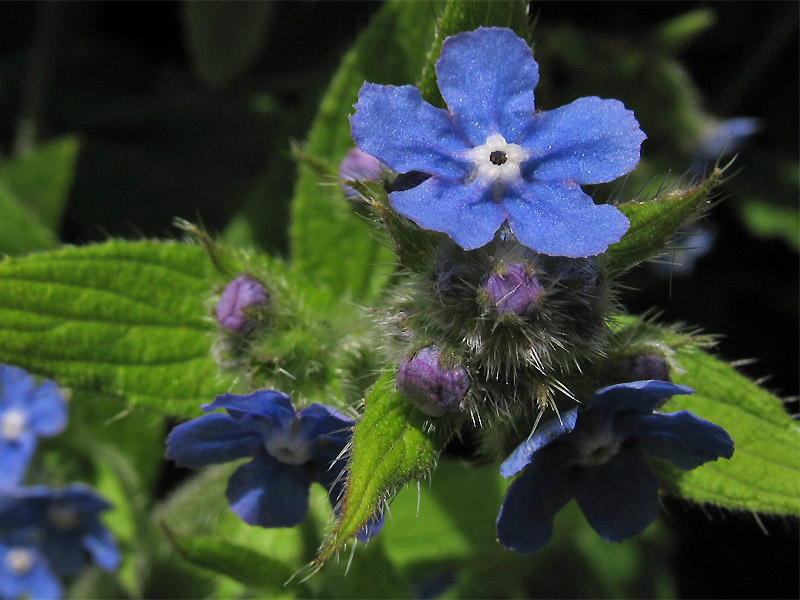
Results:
330 241
391 446
125 319
20 229
764 473
654 222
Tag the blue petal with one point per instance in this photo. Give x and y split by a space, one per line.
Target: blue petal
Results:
275 406
487 78
37 584
619 498
15 456
465 212
82 498
638 397
523 454
48 411
525 522
102 547
212 439
587 141
64 551
559 219
396 126
269 493
320 420
15 385
683 438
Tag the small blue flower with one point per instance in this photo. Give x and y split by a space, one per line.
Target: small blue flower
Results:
64 524
289 450
492 158
597 456
24 573
27 412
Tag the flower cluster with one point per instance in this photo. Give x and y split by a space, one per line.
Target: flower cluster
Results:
289 450
492 158
597 456
45 533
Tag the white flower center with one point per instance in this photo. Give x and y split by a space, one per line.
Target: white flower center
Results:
12 424
64 518
288 446
497 160
19 561
598 450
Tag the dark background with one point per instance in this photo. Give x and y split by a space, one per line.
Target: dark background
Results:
157 143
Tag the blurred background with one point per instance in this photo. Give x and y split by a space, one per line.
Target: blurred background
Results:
169 109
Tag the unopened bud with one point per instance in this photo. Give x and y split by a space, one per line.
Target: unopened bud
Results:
359 166
436 389
646 366
512 290
239 294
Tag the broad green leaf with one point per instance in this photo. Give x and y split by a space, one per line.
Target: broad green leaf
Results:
225 38
42 179
20 229
764 473
391 446
770 220
238 562
124 319
654 222
460 16
330 241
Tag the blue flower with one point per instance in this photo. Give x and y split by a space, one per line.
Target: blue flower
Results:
64 524
24 573
492 158
27 412
597 456
289 450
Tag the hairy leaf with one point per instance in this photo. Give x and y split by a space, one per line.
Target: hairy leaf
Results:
125 319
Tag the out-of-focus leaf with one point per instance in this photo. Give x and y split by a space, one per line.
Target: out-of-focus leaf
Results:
225 38
772 220
124 319
41 180
20 229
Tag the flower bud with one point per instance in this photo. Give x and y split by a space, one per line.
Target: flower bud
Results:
358 166
434 388
512 290
239 294
645 367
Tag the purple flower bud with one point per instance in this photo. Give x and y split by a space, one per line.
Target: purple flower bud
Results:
358 166
646 367
512 290
434 388
239 294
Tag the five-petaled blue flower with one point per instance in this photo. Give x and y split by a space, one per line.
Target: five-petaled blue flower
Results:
492 158
290 450
27 412
597 455
24 573
62 523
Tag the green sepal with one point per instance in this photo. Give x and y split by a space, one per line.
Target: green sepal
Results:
459 16
762 476
124 319
654 222
392 444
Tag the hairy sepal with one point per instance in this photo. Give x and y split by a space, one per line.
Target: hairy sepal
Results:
655 221
393 443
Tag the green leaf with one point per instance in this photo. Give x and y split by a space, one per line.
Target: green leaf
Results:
764 473
461 16
654 222
238 562
42 179
225 38
330 241
20 229
125 319
391 446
